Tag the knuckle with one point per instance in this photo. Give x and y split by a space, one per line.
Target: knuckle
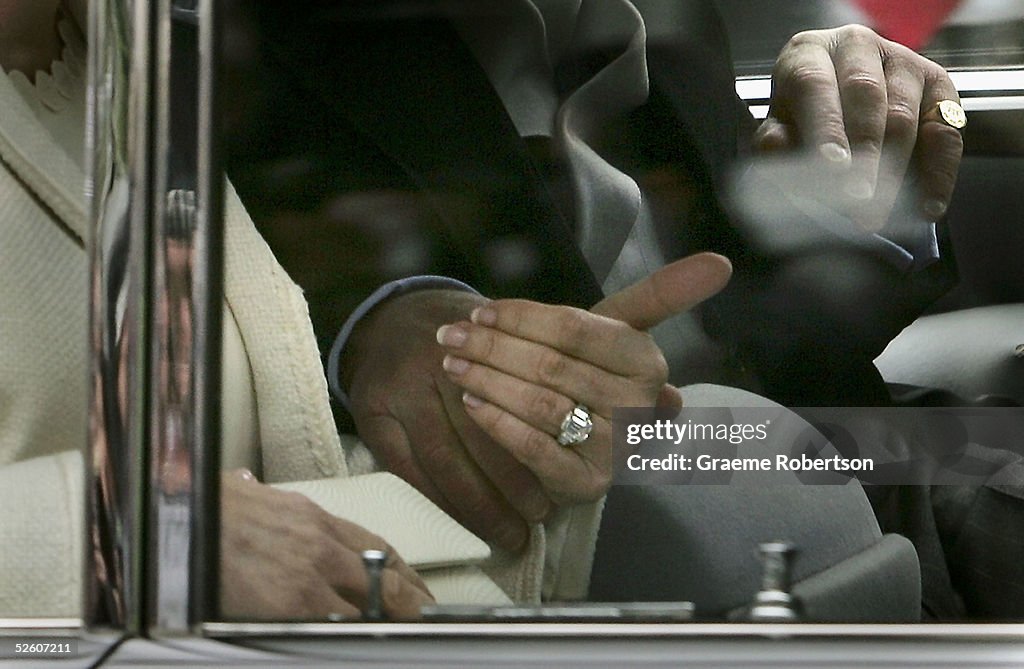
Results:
551 367
943 180
438 452
865 141
299 504
858 33
934 73
863 87
805 38
375 543
321 556
487 342
951 148
490 420
945 149
806 77
511 314
901 120
542 406
572 325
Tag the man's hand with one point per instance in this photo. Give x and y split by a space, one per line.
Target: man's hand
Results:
283 557
525 365
856 100
411 417
411 414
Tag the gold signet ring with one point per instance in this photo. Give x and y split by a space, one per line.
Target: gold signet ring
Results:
948 112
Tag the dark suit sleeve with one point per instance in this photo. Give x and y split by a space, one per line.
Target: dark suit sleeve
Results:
383 152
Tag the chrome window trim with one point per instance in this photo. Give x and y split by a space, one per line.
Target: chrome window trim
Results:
186 261
1000 89
11 626
119 193
962 631
155 308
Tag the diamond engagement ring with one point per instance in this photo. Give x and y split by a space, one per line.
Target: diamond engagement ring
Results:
947 112
576 426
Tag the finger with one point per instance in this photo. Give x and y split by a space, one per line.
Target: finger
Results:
344 571
535 405
861 80
323 603
333 605
474 502
517 484
904 88
601 337
401 598
940 147
552 369
673 289
574 474
541 405
359 539
805 96
597 340
402 594
774 137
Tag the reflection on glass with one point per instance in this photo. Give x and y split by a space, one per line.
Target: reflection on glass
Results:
559 153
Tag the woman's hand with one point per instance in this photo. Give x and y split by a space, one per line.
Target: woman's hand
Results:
283 557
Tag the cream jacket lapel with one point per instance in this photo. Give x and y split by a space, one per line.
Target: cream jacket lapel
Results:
41 165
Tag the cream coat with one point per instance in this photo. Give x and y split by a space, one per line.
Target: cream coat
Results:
43 316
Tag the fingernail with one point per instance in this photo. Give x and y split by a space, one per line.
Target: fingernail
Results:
454 365
860 189
834 153
472 401
484 316
451 335
934 209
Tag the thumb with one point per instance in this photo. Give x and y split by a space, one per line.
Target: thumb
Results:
673 289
